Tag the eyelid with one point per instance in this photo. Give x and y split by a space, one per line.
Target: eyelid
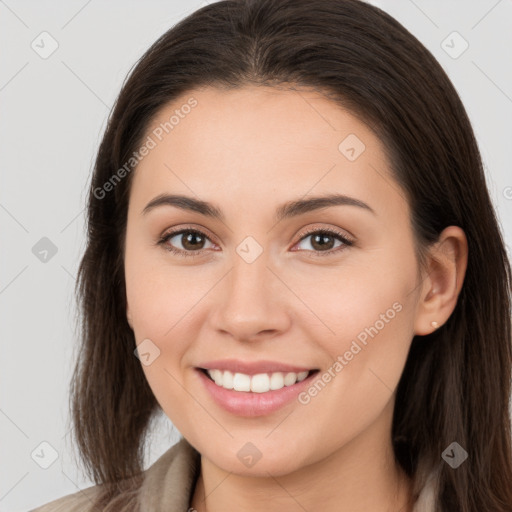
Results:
332 230
188 227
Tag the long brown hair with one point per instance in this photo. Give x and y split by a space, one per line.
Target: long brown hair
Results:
456 383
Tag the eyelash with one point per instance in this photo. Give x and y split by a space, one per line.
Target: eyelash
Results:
324 231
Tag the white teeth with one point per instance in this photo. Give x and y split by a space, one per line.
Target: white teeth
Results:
290 379
227 379
216 375
259 383
276 381
302 375
241 382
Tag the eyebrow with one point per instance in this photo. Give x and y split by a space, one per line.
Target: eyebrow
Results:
285 211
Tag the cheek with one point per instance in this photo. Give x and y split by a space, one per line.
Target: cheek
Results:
362 316
341 302
161 303
160 295
166 309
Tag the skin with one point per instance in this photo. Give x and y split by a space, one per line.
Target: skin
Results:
248 151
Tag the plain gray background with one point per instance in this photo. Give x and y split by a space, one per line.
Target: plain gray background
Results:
53 115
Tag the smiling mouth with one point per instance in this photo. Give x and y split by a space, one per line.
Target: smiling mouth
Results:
259 383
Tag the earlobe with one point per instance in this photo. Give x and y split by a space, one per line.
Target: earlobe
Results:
447 263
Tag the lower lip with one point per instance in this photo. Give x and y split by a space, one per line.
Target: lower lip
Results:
249 404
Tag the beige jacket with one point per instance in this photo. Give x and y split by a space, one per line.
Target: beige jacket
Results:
169 484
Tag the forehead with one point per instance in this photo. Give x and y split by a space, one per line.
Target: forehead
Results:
255 143
254 115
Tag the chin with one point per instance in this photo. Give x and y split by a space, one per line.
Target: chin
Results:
257 459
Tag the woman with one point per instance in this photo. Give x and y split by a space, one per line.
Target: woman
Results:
289 227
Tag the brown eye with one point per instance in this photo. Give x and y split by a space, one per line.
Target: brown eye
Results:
323 241
191 241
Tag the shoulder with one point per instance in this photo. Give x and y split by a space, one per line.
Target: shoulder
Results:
80 501
166 484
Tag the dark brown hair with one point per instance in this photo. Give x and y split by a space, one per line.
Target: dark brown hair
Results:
456 382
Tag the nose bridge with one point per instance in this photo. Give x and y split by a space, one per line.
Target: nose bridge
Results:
250 301
249 280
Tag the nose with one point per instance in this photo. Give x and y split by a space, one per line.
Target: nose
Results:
251 302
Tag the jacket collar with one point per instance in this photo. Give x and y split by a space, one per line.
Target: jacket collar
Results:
170 481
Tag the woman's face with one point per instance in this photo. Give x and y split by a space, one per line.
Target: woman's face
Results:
258 283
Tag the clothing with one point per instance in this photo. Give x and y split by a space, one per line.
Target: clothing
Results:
169 484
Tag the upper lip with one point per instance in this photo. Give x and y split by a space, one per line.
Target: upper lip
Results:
252 368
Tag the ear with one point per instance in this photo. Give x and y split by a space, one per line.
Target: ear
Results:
446 268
